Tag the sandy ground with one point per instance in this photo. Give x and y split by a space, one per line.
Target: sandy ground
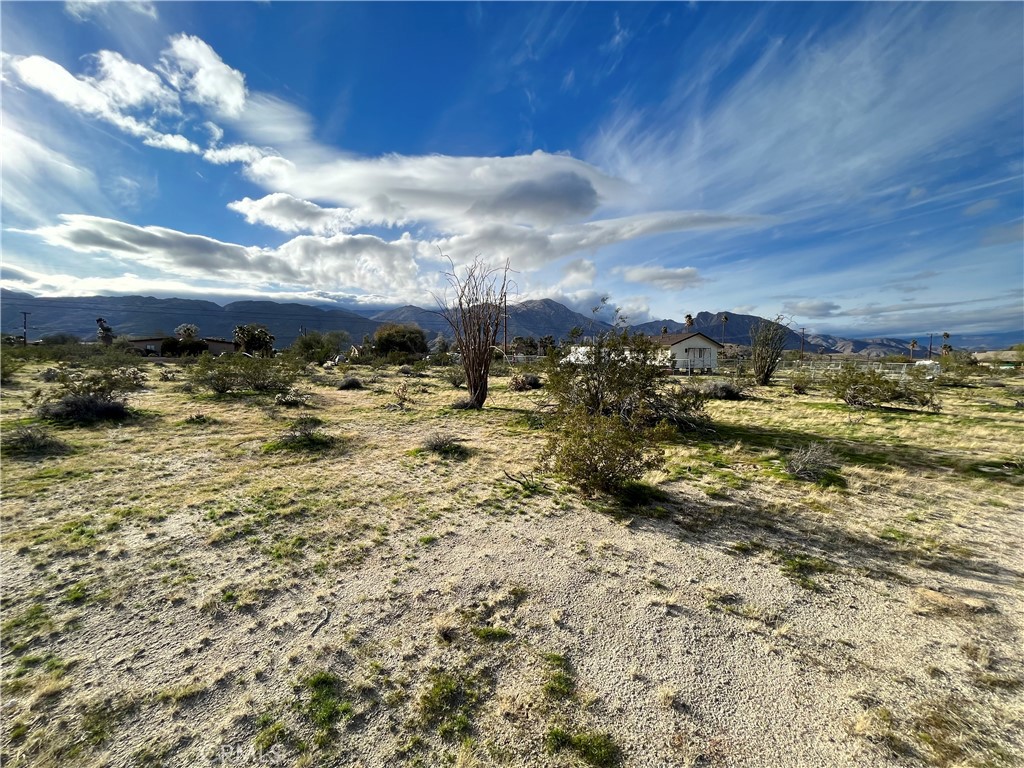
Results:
213 579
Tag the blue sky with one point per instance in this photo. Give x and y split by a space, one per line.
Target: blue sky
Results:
856 167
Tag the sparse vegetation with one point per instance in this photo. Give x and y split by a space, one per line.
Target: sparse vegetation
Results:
402 576
592 747
34 441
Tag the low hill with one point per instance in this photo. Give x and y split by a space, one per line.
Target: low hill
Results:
149 316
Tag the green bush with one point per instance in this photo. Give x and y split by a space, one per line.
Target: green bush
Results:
10 364
241 373
84 409
88 396
603 453
800 382
869 388
456 377
317 347
685 408
33 441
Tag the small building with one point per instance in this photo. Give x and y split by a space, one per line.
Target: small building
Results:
691 352
150 345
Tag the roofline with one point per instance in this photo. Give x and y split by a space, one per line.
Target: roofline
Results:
662 338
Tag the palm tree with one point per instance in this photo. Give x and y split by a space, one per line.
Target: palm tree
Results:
725 319
913 346
689 321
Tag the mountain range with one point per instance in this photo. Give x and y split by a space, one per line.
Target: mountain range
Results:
148 316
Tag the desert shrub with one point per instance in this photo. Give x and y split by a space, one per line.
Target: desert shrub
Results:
685 408
456 377
317 347
212 373
446 445
603 453
168 375
33 441
85 397
49 375
293 398
401 393
723 390
800 382
524 382
304 434
407 370
869 388
10 364
815 462
767 340
84 409
241 373
611 410
409 341
350 382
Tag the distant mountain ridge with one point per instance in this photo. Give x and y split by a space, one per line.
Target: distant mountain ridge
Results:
149 316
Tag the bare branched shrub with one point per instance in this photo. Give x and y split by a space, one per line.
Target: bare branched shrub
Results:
293 398
401 393
445 444
767 341
814 462
524 382
304 434
474 305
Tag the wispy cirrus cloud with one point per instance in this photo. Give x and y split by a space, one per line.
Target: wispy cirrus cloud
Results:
84 9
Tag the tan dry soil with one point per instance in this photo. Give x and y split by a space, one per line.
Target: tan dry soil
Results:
215 577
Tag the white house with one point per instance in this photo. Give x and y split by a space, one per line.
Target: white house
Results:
691 352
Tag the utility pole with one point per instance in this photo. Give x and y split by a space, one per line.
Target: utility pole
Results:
930 335
802 330
24 326
504 331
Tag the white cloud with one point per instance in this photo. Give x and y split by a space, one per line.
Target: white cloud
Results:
811 308
195 69
668 279
289 214
357 264
266 119
235 153
216 132
981 207
128 85
173 142
84 9
578 273
101 97
816 123
37 179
